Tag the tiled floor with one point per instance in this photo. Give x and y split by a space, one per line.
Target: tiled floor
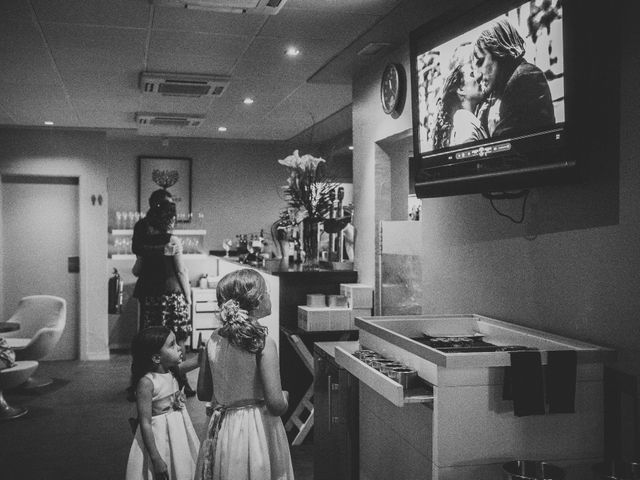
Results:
77 428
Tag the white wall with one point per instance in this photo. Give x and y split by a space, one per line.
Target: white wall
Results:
72 154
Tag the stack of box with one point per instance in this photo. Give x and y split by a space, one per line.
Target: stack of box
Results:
359 299
355 300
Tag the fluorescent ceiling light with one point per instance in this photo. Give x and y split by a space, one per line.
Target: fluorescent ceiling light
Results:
48 122
248 101
222 129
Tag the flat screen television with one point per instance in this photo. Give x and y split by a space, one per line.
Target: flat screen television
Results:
496 96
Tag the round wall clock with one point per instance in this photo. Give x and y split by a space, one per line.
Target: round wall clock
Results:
393 89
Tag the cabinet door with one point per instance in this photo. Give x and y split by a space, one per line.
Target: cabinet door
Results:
346 434
324 446
335 435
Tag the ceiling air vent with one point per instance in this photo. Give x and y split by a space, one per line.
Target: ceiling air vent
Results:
174 120
182 85
263 7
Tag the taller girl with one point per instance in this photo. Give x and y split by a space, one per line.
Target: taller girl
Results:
245 439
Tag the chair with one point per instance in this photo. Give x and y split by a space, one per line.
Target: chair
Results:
10 378
42 319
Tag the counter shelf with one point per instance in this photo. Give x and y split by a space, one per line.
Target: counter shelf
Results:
382 384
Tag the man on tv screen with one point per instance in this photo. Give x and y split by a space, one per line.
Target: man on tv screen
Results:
517 95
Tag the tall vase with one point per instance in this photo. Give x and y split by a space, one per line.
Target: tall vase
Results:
310 243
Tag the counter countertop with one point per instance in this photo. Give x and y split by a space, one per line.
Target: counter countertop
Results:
279 266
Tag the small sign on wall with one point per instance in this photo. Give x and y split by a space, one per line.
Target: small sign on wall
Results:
172 174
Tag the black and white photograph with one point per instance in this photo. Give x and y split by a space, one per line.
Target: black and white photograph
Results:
319 240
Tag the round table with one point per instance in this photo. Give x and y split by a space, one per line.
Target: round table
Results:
9 327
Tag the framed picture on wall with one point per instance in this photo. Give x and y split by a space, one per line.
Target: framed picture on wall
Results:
172 174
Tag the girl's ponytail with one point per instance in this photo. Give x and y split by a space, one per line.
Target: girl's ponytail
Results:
240 329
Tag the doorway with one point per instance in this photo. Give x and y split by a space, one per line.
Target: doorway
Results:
40 245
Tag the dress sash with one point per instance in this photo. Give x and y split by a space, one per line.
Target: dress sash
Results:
206 460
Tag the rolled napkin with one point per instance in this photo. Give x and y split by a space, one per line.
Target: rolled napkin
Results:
525 381
561 381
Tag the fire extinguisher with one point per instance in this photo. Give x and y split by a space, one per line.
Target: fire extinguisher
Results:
116 292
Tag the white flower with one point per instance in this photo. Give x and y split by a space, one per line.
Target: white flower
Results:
296 162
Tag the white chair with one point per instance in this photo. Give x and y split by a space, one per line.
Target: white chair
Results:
10 378
42 319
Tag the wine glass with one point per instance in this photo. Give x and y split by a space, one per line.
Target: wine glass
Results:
118 220
226 244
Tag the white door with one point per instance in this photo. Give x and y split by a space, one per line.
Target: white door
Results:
40 232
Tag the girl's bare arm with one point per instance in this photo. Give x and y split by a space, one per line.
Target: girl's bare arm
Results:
144 395
270 373
182 272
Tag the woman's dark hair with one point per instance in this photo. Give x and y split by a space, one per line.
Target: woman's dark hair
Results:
239 293
161 216
158 196
448 104
144 346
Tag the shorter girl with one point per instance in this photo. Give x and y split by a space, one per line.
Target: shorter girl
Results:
165 445
241 377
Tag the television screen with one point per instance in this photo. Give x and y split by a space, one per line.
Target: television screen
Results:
489 95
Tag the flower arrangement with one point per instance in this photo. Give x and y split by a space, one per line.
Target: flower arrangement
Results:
307 186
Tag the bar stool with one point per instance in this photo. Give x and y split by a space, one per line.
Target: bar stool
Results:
10 378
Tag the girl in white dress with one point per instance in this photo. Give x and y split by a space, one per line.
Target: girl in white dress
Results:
245 438
165 445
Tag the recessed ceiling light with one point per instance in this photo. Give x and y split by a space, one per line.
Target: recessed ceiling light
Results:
222 129
292 51
350 147
248 101
48 123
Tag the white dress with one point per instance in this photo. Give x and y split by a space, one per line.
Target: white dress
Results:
175 437
243 441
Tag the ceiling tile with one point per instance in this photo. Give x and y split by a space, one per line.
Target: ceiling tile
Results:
320 25
265 58
13 11
199 44
72 60
34 106
106 105
368 7
28 67
121 13
18 33
186 63
181 19
107 119
5 119
92 37
90 84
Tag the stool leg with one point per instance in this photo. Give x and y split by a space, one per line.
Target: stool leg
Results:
7 412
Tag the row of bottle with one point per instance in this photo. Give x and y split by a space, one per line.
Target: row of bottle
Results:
247 242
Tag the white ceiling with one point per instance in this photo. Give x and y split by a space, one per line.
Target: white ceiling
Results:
77 63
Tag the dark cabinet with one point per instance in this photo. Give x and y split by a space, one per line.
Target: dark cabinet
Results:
335 437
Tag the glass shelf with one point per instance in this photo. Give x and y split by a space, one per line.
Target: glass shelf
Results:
129 231
131 256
